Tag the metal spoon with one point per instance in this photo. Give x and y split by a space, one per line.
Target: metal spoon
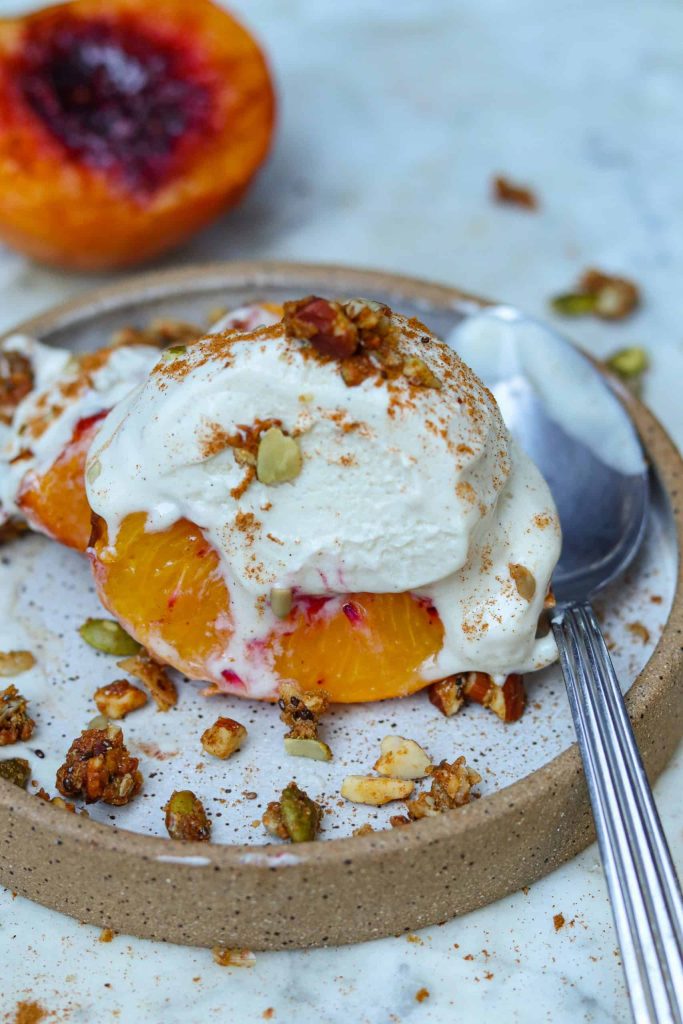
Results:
564 414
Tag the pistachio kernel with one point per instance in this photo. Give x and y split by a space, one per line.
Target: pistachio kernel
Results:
108 636
628 362
574 304
16 770
313 748
278 459
281 601
300 815
186 818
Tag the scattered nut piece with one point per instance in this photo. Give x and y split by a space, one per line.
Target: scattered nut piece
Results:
363 830
604 295
451 787
298 747
160 332
186 818
155 677
13 663
118 699
281 601
223 738
505 191
16 770
57 801
402 759
639 630
295 816
106 935
99 767
370 789
108 636
629 364
398 820
324 324
233 957
524 580
418 373
16 381
506 701
301 710
447 695
15 721
278 459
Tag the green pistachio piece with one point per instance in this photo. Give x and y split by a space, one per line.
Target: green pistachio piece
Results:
628 362
574 304
186 817
313 748
281 601
16 770
300 814
174 353
278 459
107 636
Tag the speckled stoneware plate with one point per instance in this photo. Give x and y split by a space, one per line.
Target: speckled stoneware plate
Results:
118 869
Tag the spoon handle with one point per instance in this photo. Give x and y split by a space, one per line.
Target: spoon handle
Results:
644 891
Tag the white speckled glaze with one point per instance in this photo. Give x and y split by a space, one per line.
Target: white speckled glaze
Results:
583 102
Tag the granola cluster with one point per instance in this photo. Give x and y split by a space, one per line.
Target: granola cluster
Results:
16 381
451 787
15 722
99 767
295 816
301 711
506 701
360 334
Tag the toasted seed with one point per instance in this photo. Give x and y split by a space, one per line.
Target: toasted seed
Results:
108 636
313 748
278 459
524 580
300 815
186 818
13 663
368 789
281 601
574 304
16 770
93 471
402 759
628 362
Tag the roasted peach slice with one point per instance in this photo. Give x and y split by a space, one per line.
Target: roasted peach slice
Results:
125 126
166 589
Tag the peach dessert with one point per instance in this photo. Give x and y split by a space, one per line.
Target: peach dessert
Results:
331 500
52 404
125 126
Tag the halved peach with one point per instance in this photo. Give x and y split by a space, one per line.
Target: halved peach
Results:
166 589
125 126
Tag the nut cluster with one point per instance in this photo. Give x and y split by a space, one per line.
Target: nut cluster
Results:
451 787
15 722
301 712
99 767
360 334
506 701
295 816
16 381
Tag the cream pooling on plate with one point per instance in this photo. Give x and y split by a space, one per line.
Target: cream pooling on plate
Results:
402 488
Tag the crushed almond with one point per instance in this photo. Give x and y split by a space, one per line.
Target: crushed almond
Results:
402 759
297 746
15 722
447 695
155 677
301 710
278 459
13 663
451 787
118 699
506 701
223 738
375 790
58 802
233 957
99 767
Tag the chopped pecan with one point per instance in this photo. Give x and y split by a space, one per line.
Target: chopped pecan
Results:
99 767
506 701
223 738
155 677
301 711
447 695
186 818
118 699
451 787
15 721
16 382
324 324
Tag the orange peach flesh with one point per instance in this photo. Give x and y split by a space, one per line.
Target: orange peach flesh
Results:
166 590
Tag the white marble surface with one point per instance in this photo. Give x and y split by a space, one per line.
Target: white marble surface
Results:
393 118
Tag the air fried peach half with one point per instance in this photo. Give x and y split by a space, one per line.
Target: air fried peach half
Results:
125 126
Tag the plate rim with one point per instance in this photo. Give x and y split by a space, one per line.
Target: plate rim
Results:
653 688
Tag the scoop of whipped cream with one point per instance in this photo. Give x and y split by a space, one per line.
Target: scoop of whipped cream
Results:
408 481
